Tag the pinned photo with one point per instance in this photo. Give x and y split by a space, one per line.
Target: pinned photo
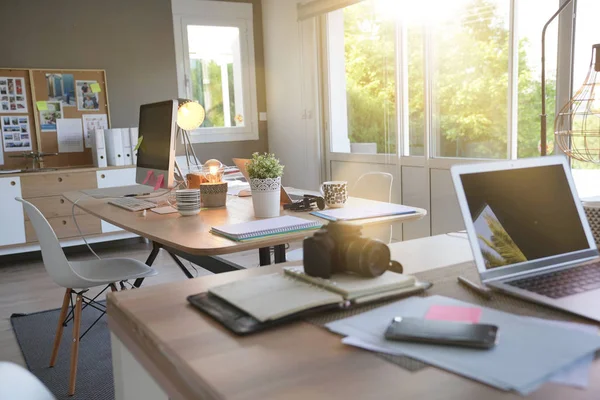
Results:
12 91
8 136
61 87
5 106
2 81
19 86
24 128
48 117
87 100
4 98
3 90
16 133
23 120
6 120
11 86
24 136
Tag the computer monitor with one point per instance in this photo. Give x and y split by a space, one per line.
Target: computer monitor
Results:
156 154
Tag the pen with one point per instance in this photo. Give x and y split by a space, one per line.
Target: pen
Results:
480 290
136 194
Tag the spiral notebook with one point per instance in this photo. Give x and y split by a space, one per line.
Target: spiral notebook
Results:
265 227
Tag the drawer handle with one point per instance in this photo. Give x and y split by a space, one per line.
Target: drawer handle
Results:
64 222
59 179
12 183
62 201
102 176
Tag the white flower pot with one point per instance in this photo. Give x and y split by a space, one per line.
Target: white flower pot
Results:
266 195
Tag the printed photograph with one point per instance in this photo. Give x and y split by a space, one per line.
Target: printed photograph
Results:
24 129
2 82
3 90
11 86
20 98
12 98
17 137
8 136
5 106
21 106
86 99
48 117
19 86
4 98
6 120
13 106
24 136
61 87
14 121
23 120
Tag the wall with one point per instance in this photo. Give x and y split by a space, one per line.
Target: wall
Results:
131 39
291 94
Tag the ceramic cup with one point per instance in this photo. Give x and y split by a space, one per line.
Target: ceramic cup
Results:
335 193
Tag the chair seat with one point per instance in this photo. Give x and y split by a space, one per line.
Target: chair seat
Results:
295 255
108 270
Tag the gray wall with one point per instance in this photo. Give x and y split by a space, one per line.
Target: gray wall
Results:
131 39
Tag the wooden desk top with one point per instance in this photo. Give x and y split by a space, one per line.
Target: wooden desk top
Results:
190 356
192 234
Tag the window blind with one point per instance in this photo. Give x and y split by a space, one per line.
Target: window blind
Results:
314 8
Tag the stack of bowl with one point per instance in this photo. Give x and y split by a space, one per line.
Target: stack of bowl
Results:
188 201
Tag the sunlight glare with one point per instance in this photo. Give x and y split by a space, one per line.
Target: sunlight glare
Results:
420 12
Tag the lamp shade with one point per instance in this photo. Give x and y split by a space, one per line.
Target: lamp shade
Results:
190 115
577 125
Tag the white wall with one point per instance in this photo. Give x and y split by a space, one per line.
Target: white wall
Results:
291 81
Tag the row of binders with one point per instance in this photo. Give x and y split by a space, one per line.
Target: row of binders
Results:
114 147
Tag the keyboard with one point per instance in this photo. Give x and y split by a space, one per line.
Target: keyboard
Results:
562 283
132 204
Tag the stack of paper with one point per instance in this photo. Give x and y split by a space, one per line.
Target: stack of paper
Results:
529 351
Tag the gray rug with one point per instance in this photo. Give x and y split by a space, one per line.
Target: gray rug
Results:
35 334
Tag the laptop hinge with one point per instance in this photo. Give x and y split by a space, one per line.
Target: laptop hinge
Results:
538 270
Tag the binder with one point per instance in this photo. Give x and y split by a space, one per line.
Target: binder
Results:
127 150
133 135
98 148
113 141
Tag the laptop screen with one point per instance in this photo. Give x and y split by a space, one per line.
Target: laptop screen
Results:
523 214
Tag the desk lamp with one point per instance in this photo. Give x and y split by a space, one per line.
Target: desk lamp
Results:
190 115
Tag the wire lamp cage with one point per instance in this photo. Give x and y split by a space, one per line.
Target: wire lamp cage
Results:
577 125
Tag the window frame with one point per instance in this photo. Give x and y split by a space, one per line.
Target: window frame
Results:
218 13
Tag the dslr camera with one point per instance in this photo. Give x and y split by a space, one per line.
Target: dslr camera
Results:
339 247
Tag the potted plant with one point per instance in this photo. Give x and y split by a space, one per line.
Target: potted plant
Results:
265 173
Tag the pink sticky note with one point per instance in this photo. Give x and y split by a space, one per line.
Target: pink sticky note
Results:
148 176
159 181
454 313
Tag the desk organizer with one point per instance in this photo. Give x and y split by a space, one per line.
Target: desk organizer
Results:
213 194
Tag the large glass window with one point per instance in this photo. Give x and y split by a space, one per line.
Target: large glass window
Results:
362 79
470 80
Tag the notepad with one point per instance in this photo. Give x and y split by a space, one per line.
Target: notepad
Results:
273 296
265 227
354 213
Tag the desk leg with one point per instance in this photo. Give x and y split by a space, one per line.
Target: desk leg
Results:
264 256
280 253
149 262
181 266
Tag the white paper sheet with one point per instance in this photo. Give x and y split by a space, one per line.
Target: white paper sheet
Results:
16 133
69 132
91 122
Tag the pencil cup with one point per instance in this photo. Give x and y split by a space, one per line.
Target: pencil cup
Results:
213 194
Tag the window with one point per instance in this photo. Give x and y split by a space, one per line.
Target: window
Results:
215 60
467 74
362 80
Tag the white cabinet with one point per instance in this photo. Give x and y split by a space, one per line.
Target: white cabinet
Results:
111 178
12 222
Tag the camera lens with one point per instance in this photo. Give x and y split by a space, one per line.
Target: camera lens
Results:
366 257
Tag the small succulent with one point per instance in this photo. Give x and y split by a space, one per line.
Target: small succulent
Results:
264 166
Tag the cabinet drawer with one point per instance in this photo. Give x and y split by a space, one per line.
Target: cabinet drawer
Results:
53 184
54 206
64 227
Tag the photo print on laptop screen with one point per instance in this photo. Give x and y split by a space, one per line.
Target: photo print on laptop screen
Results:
523 214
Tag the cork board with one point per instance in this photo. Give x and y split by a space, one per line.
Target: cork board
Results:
48 140
12 160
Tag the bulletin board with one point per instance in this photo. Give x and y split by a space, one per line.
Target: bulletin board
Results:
79 93
16 107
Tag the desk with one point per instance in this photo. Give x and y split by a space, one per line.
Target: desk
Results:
163 348
190 237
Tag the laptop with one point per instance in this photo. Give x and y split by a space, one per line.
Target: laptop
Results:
529 234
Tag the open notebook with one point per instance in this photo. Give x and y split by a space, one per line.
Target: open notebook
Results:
349 213
274 296
265 227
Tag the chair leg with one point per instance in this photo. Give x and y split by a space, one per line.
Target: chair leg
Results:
75 344
60 326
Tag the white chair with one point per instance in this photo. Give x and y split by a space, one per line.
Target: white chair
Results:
77 278
18 383
372 186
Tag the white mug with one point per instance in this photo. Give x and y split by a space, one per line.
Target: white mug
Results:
335 193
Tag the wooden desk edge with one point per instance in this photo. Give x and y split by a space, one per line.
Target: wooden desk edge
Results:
239 246
150 355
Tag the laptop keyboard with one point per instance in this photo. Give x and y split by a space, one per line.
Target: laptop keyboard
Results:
562 283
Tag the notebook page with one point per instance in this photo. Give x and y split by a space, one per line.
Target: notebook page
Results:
353 286
266 226
354 213
273 296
